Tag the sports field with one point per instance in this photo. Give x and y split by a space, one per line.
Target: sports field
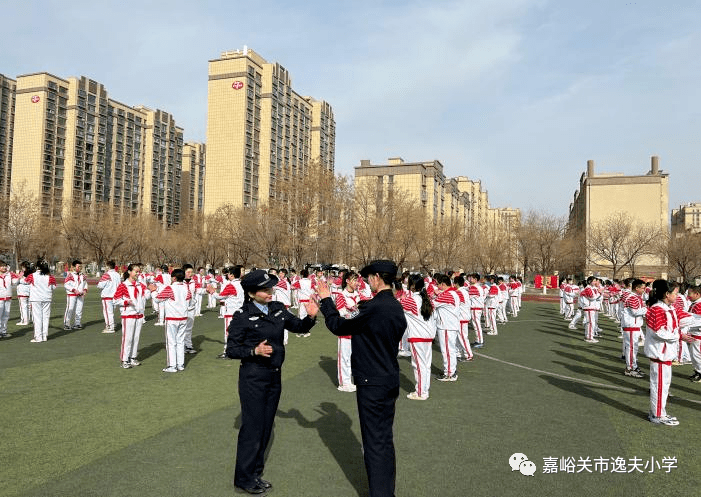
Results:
75 424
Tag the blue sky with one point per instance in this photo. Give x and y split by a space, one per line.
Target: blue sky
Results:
517 93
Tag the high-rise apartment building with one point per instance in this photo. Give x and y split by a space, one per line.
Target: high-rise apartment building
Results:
259 131
7 119
442 199
643 198
74 146
192 183
686 219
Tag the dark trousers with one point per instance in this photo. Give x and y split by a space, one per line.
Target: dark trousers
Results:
259 391
376 413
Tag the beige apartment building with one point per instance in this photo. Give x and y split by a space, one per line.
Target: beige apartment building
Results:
443 199
7 119
259 131
686 219
192 182
645 198
75 146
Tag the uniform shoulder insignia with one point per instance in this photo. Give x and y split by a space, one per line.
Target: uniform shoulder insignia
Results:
278 313
238 311
253 318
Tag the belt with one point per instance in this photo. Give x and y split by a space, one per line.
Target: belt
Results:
631 329
107 298
132 316
666 363
176 319
427 340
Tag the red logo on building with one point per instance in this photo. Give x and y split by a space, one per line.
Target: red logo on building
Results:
237 85
35 99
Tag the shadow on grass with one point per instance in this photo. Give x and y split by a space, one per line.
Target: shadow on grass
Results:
591 393
334 428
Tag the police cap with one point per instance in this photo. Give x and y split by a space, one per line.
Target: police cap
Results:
258 279
379 266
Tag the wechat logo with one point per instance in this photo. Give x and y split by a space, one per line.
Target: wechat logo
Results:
520 462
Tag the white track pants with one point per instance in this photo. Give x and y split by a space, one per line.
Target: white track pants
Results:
631 337
446 339
108 312
464 340
477 324
41 312
660 379
343 362
131 331
4 315
421 357
25 309
175 341
74 310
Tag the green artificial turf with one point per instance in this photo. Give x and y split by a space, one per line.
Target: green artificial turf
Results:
76 424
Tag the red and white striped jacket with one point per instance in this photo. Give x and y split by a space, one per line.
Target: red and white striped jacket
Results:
663 330
7 279
177 299
477 296
447 309
108 283
130 298
75 284
418 329
634 310
41 287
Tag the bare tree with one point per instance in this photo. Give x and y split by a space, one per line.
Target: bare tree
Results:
21 224
684 256
619 241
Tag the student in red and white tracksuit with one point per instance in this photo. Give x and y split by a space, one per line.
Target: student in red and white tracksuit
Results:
282 291
130 298
447 309
199 278
304 293
232 296
683 356
41 288
491 302
210 280
513 296
7 279
76 285
176 298
477 298
661 342
421 331
464 348
195 290
590 299
25 310
634 311
503 299
695 333
347 305
162 279
108 283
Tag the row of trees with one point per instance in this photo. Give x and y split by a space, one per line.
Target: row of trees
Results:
324 219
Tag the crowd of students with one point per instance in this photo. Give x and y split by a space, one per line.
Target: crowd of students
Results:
664 317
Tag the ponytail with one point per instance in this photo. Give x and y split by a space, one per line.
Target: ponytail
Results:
426 305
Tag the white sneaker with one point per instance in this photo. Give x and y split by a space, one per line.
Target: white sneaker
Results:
34 340
134 362
107 330
593 340
158 324
180 368
170 369
126 365
347 388
416 396
663 420
572 327
492 333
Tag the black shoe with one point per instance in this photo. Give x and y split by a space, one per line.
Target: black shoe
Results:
264 483
255 489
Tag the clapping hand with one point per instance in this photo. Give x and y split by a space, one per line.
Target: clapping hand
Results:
322 289
263 349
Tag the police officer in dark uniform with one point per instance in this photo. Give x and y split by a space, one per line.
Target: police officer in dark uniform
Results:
375 335
256 334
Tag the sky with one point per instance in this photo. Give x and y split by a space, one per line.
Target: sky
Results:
516 93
